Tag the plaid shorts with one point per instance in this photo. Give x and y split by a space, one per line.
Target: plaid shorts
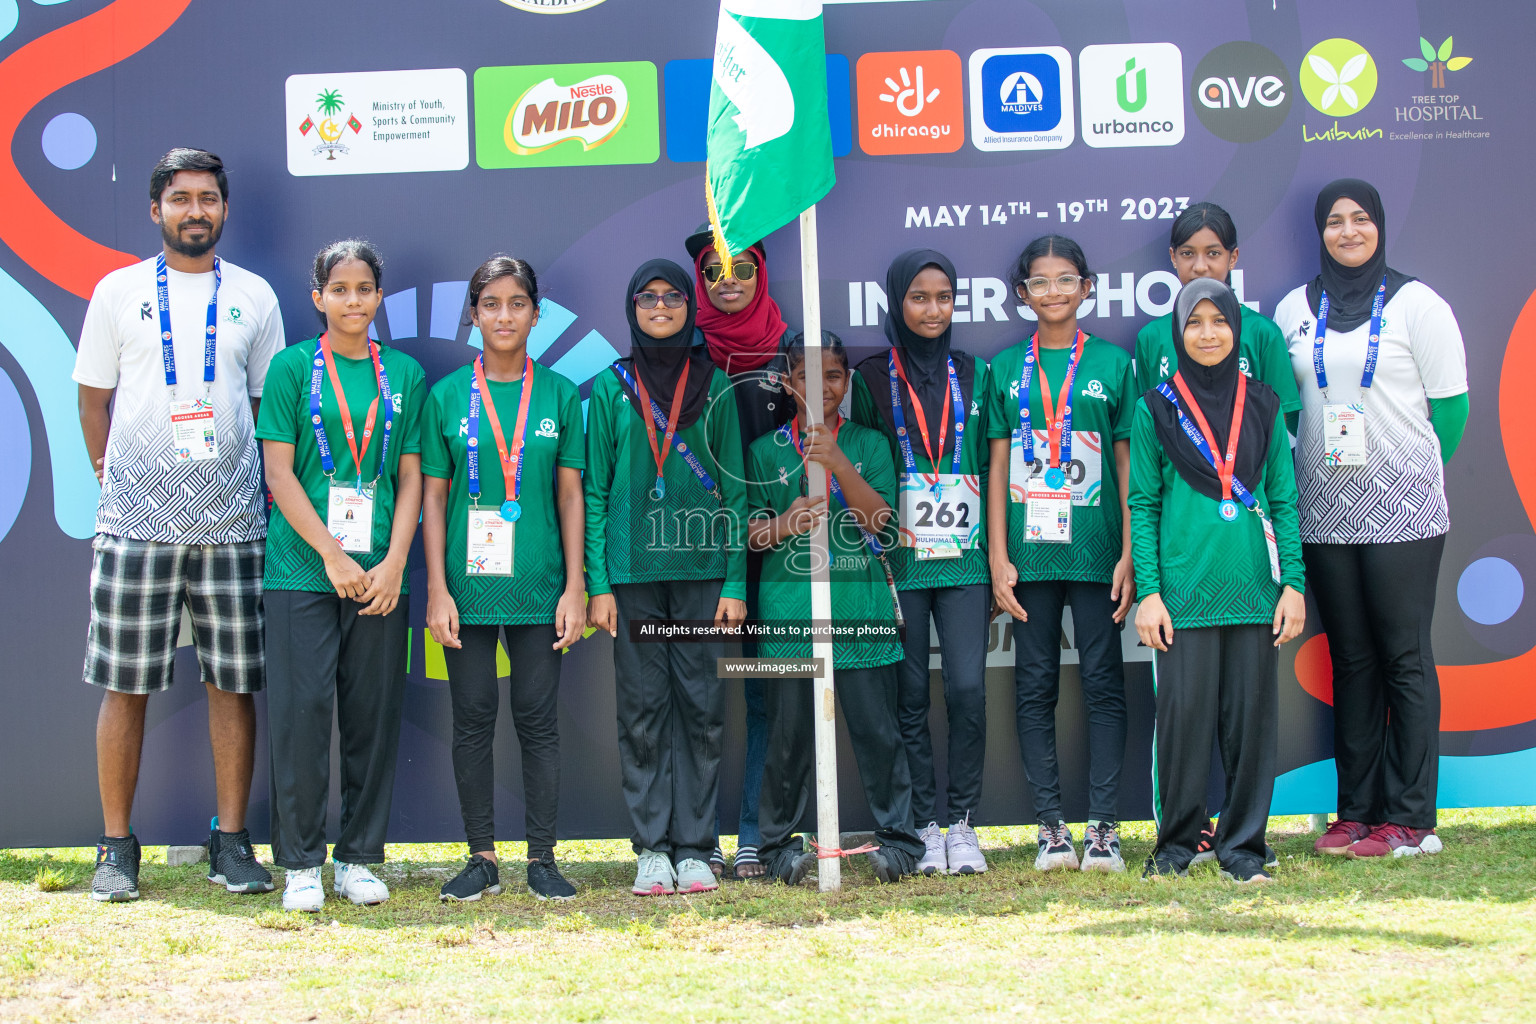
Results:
137 591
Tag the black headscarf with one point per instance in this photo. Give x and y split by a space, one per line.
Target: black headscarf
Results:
926 360
1351 290
659 362
1215 389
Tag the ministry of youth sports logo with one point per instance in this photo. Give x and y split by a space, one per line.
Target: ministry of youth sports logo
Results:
330 129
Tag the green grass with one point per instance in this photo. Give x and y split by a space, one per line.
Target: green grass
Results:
1448 938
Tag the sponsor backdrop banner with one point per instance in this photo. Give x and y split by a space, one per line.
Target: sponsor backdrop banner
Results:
571 132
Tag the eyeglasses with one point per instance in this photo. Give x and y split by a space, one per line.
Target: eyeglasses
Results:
1041 285
672 300
740 270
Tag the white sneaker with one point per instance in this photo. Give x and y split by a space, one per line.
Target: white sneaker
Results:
304 891
358 884
935 860
1055 848
963 850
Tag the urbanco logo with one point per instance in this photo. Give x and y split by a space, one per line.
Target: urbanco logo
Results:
910 102
1241 92
558 115
1132 94
1021 98
1338 77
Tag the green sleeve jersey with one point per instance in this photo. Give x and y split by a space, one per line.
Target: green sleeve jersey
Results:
552 438
689 534
1103 401
860 594
291 563
1263 356
971 566
1211 572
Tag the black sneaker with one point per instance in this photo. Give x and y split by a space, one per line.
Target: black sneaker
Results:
799 868
478 878
888 865
1271 858
1162 866
1244 874
117 870
233 864
546 882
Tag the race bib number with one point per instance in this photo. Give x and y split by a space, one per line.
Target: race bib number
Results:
1344 435
1048 513
940 514
1084 473
349 517
489 550
193 438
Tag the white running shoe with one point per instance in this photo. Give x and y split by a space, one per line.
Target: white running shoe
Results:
963 850
654 875
1101 847
935 859
303 890
1055 845
358 884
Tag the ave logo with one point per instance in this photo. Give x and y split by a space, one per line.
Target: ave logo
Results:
1242 92
561 115
910 102
1022 99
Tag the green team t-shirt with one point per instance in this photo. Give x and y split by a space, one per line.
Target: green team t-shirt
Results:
860 593
1262 355
1210 572
1103 400
552 437
291 563
971 566
689 534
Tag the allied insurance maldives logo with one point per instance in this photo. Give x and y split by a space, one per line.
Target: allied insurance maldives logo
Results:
562 115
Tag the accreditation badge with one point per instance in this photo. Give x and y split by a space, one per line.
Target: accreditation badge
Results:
1048 513
349 516
940 514
488 551
1344 435
193 438
1274 549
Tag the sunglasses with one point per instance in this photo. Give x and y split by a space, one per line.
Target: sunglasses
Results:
740 270
672 300
1042 285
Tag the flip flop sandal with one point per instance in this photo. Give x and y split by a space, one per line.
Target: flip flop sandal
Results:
746 856
717 862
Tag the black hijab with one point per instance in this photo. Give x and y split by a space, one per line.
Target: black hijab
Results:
1351 290
925 360
1214 388
659 362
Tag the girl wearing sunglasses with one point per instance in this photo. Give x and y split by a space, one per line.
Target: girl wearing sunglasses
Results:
665 509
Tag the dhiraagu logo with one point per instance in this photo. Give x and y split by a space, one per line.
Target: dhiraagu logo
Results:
1338 77
561 115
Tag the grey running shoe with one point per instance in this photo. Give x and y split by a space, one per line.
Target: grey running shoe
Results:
546 882
654 875
480 877
963 850
233 864
935 859
1055 848
117 869
695 876
1101 847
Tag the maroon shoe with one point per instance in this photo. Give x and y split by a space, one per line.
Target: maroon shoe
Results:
1341 835
1391 840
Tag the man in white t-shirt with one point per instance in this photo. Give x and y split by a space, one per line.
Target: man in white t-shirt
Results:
171 363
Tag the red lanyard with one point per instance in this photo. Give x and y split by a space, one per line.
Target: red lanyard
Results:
1228 465
794 424
660 454
922 417
341 402
1063 400
512 480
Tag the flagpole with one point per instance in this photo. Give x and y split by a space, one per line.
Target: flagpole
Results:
829 869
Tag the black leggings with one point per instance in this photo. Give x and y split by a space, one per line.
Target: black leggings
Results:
1376 602
535 714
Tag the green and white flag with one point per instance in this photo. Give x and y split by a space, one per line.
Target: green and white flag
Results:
770 146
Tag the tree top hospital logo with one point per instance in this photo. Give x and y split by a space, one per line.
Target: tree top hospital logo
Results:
1022 99
1241 92
910 102
1436 61
560 115
1132 94
1338 77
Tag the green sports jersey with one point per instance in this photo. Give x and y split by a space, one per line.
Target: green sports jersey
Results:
1103 400
1210 572
1262 355
971 566
552 437
860 593
687 535
291 563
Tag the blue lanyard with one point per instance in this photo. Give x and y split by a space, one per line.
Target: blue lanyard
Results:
908 460
788 431
682 448
1026 429
1373 347
1192 432
210 335
327 463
